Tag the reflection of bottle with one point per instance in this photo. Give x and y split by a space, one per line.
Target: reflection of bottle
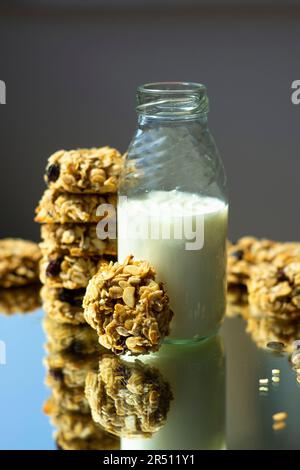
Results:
175 210
196 419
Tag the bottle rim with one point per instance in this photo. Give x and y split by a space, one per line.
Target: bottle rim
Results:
172 88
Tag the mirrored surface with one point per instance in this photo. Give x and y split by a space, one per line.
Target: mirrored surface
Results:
204 395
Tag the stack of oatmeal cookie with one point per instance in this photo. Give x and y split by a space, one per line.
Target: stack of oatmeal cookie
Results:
79 181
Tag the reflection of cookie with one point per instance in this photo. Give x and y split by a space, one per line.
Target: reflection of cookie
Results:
264 330
128 399
63 305
127 307
276 291
68 399
72 424
18 262
76 239
71 272
69 370
20 299
94 170
74 339
62 208
76 429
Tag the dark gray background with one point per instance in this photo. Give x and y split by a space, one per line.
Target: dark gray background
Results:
71 70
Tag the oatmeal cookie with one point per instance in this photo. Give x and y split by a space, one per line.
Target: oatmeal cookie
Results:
128 399
94 170
74 339
276 290
63 305
67 271
20 299
69 370
62 208
76 239
127 307
19 262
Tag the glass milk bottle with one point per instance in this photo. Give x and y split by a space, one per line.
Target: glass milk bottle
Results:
172 207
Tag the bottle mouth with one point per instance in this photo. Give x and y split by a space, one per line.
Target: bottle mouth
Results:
172 88
172 99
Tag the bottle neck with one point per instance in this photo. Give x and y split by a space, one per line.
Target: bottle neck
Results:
172 101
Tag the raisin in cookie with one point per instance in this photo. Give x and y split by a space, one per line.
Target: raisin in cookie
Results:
62 208
94 170
19 262
128 399
127 307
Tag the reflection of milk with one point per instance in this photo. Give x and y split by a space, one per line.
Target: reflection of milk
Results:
196 418
156 227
